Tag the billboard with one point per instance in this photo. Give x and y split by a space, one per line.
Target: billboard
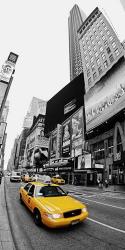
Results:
77 132
62 105
8 68
106 98
2 131
66 137
6 78
53 144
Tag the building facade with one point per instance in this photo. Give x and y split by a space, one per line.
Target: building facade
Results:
100 47
75 21
37 106
36 148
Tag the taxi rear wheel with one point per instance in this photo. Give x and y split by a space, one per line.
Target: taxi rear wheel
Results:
37 217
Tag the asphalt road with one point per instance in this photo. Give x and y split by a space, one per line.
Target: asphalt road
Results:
104 229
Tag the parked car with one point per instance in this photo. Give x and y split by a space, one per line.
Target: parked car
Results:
57 180
15 176
51 205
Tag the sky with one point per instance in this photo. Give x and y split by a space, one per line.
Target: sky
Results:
37 31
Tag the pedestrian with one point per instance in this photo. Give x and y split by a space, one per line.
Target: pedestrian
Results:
0 177
106 183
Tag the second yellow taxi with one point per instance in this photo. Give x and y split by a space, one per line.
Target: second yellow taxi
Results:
57 180
51 205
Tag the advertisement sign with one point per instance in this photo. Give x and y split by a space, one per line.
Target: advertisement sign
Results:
2 131
3 88
53 144
70 106
66 136
8 68
106 98
12 58
6 72
77 132
58 148
87 160
81 162
77 125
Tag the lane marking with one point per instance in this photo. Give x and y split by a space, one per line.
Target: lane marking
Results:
105 225
105 204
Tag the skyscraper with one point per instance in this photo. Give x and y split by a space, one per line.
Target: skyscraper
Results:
93 46
75 21
37 106
100 47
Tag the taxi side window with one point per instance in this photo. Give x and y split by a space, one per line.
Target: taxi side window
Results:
31 190
27 187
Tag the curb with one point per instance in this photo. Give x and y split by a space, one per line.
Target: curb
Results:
19 238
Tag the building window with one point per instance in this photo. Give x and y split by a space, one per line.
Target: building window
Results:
108 32
106 43
92 59
94 76
96 54
97 37
103 24
100 70
86 58
105 28
111 58
101 48
113 45
98 61
105 64
90 52
87 65
117 52
101 32
108 50
99 42
103 56
89 81
94 48
93 67
88 72
93 42
110 38
103 38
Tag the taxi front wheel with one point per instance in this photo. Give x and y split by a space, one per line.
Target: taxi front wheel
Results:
37 218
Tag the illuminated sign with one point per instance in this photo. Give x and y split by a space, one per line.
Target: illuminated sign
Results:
70 106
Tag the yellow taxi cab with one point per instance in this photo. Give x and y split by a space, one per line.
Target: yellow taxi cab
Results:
51 205
57 180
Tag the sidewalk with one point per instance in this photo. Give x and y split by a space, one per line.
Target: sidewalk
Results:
6 240
110 188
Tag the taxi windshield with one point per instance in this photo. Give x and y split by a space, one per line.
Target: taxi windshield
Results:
49 191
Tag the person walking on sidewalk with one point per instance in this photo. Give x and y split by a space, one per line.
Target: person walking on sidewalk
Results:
106 183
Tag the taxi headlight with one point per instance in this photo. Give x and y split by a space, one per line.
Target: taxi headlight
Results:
55 216
84 209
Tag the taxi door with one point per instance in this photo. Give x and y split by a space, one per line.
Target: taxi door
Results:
30 198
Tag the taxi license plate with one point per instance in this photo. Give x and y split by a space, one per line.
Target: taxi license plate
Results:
74 222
